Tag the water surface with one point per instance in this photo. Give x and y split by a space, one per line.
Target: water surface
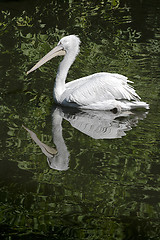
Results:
98 184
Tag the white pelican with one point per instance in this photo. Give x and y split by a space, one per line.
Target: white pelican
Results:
99 91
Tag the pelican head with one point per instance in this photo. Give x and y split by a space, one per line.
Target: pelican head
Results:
67 45
70 43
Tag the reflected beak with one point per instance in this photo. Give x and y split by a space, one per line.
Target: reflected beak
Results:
57 51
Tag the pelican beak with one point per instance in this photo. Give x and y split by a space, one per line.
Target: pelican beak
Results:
57 51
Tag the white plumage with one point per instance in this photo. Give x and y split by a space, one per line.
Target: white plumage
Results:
100 91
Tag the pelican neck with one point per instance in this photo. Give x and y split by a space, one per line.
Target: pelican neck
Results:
59 86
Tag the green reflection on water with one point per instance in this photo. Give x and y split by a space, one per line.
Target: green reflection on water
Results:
111 189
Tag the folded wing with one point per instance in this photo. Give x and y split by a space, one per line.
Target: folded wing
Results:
100 87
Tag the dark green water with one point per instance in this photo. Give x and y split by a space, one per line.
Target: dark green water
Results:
106 188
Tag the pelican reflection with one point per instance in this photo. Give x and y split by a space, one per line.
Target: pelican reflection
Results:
96 124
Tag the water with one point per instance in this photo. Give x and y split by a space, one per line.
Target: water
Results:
98 186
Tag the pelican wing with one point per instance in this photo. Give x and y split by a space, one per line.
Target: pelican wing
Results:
100 87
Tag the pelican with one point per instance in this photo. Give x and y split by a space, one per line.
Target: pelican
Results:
99 91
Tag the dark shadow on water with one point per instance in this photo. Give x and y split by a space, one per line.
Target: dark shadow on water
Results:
131 229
